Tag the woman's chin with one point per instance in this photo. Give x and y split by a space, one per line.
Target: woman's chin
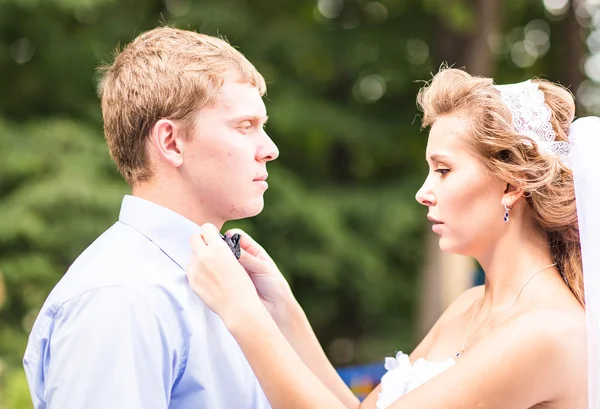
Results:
451 247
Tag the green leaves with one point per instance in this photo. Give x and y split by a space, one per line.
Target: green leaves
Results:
340 217
58 192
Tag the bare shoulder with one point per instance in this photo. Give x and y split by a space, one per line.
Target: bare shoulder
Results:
537 354
463 303
559 328
556 317
551 340
459 307
448 319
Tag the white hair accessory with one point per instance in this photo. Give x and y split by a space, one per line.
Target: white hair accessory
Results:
531 117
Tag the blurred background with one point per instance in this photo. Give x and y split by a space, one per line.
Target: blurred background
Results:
340 216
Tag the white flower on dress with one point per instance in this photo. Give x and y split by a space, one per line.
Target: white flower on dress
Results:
402 377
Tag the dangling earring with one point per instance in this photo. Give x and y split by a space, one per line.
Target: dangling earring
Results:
506 209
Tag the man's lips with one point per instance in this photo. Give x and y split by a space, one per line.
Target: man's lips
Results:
436 221
261 178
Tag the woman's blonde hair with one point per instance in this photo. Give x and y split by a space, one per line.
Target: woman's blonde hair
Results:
546 181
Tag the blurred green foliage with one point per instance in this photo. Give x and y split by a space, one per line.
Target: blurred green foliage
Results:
340 217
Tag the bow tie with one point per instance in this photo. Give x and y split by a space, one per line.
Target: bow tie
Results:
234 244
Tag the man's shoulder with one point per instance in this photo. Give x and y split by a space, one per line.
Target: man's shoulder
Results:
123 250
119 243
144 303
119 258
120 268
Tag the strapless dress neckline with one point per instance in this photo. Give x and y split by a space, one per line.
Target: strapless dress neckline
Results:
402 376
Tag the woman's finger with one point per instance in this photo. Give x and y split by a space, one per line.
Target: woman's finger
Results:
251 263
248 244
197 242
211 235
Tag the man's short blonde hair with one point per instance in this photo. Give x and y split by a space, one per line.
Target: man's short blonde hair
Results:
164 73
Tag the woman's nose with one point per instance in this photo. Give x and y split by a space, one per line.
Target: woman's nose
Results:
425 196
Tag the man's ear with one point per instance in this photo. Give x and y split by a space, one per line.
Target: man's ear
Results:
168 142
511 195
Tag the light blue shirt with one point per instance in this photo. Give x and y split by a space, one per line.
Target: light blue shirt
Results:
123 330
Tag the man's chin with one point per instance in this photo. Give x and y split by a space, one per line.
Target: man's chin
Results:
249 210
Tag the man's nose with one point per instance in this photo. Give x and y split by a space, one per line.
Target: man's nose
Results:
268 151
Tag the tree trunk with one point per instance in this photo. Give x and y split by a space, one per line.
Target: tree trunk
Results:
575 48
471 51
480 57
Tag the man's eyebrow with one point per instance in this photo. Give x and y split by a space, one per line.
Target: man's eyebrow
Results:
254 118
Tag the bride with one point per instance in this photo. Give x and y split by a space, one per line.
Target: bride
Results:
500 189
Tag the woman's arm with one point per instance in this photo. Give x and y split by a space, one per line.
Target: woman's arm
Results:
300 335
522 364
286 380
275 294
526 361
519 367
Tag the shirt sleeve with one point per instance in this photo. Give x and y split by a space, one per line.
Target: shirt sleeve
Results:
110 348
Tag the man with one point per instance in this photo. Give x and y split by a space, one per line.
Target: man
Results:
184 122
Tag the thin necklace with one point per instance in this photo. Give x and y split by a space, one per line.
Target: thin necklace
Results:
510 305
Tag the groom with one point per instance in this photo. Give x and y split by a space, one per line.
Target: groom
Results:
183 119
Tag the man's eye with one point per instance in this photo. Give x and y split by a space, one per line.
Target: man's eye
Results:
245 126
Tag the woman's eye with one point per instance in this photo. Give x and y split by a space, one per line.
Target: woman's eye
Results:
442 171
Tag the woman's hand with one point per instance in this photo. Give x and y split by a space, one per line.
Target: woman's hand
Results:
218 279
271 285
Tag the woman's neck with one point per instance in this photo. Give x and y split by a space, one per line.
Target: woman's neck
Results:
511 263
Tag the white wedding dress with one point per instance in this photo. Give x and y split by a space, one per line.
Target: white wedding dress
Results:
402 376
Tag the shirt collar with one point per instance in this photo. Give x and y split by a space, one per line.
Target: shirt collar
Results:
169 230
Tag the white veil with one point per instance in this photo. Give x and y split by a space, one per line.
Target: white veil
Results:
584 137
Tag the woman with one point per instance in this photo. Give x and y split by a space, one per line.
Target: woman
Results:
499 189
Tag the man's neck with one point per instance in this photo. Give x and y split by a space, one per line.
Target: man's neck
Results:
177 200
